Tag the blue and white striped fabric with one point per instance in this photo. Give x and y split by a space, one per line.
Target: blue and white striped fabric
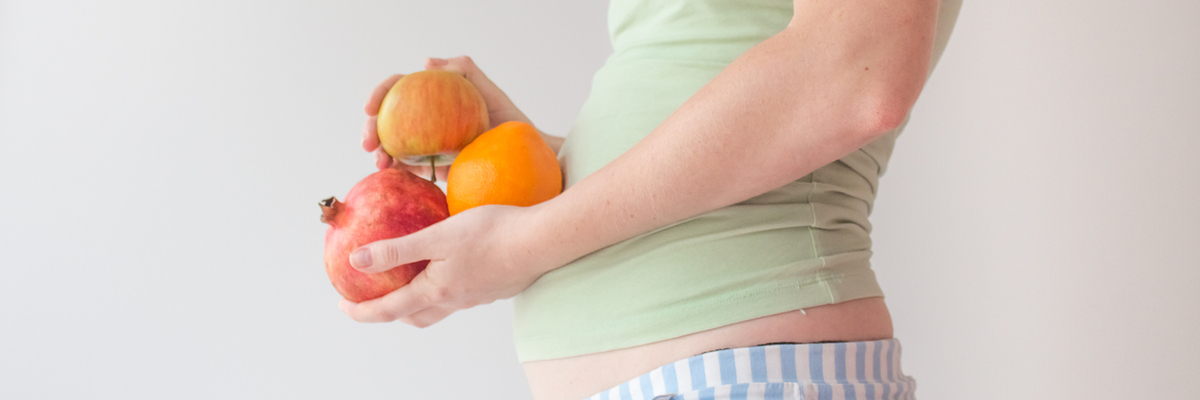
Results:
821 371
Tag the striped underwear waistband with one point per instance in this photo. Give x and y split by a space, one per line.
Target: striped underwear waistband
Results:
819 371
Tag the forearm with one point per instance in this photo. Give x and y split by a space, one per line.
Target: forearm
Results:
841 75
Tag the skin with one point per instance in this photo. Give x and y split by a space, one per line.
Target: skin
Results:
839 76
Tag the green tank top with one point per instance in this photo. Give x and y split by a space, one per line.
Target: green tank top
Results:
802 245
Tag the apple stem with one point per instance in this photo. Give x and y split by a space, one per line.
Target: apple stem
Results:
432 170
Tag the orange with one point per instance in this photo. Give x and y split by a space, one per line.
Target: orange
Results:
509 165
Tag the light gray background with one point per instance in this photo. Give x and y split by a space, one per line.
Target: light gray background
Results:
160 165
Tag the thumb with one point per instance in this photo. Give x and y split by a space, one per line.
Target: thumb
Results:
383 255
500 107
466 67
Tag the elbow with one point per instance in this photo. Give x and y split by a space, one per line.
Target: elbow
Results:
885 100
886 117
883 112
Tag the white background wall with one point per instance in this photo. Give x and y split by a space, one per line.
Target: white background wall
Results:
160 165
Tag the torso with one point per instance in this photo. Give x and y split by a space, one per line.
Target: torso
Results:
657 63
578 377
799 246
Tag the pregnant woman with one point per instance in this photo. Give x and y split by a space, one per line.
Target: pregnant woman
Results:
712 240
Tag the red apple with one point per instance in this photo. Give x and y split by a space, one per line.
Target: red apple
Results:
386 204
428 116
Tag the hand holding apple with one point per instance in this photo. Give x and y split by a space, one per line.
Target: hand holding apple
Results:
479 256
500 109
428 116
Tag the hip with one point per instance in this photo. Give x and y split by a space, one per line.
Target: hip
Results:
581 376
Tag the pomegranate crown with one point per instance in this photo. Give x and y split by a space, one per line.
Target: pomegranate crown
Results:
329 209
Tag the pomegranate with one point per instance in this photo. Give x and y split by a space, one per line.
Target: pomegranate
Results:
386 204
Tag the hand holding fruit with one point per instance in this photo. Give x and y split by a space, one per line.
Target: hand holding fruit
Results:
478 256
386 204
500 109
483 255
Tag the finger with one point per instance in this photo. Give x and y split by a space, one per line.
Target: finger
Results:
382 255
418 170
382 159
435 63
372 107
466 66
428 316
361 312
370 137
374 310
401 303
500 107
422 171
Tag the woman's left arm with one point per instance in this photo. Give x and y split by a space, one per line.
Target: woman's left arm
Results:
840 75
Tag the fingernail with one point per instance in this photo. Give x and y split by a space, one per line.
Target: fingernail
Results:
361 258
437 62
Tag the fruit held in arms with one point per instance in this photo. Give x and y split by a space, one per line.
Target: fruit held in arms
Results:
509 165
386 204
428 116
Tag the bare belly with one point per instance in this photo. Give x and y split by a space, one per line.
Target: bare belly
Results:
575 378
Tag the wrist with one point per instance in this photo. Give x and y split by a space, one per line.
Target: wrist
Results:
549 235
555 142
507 115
